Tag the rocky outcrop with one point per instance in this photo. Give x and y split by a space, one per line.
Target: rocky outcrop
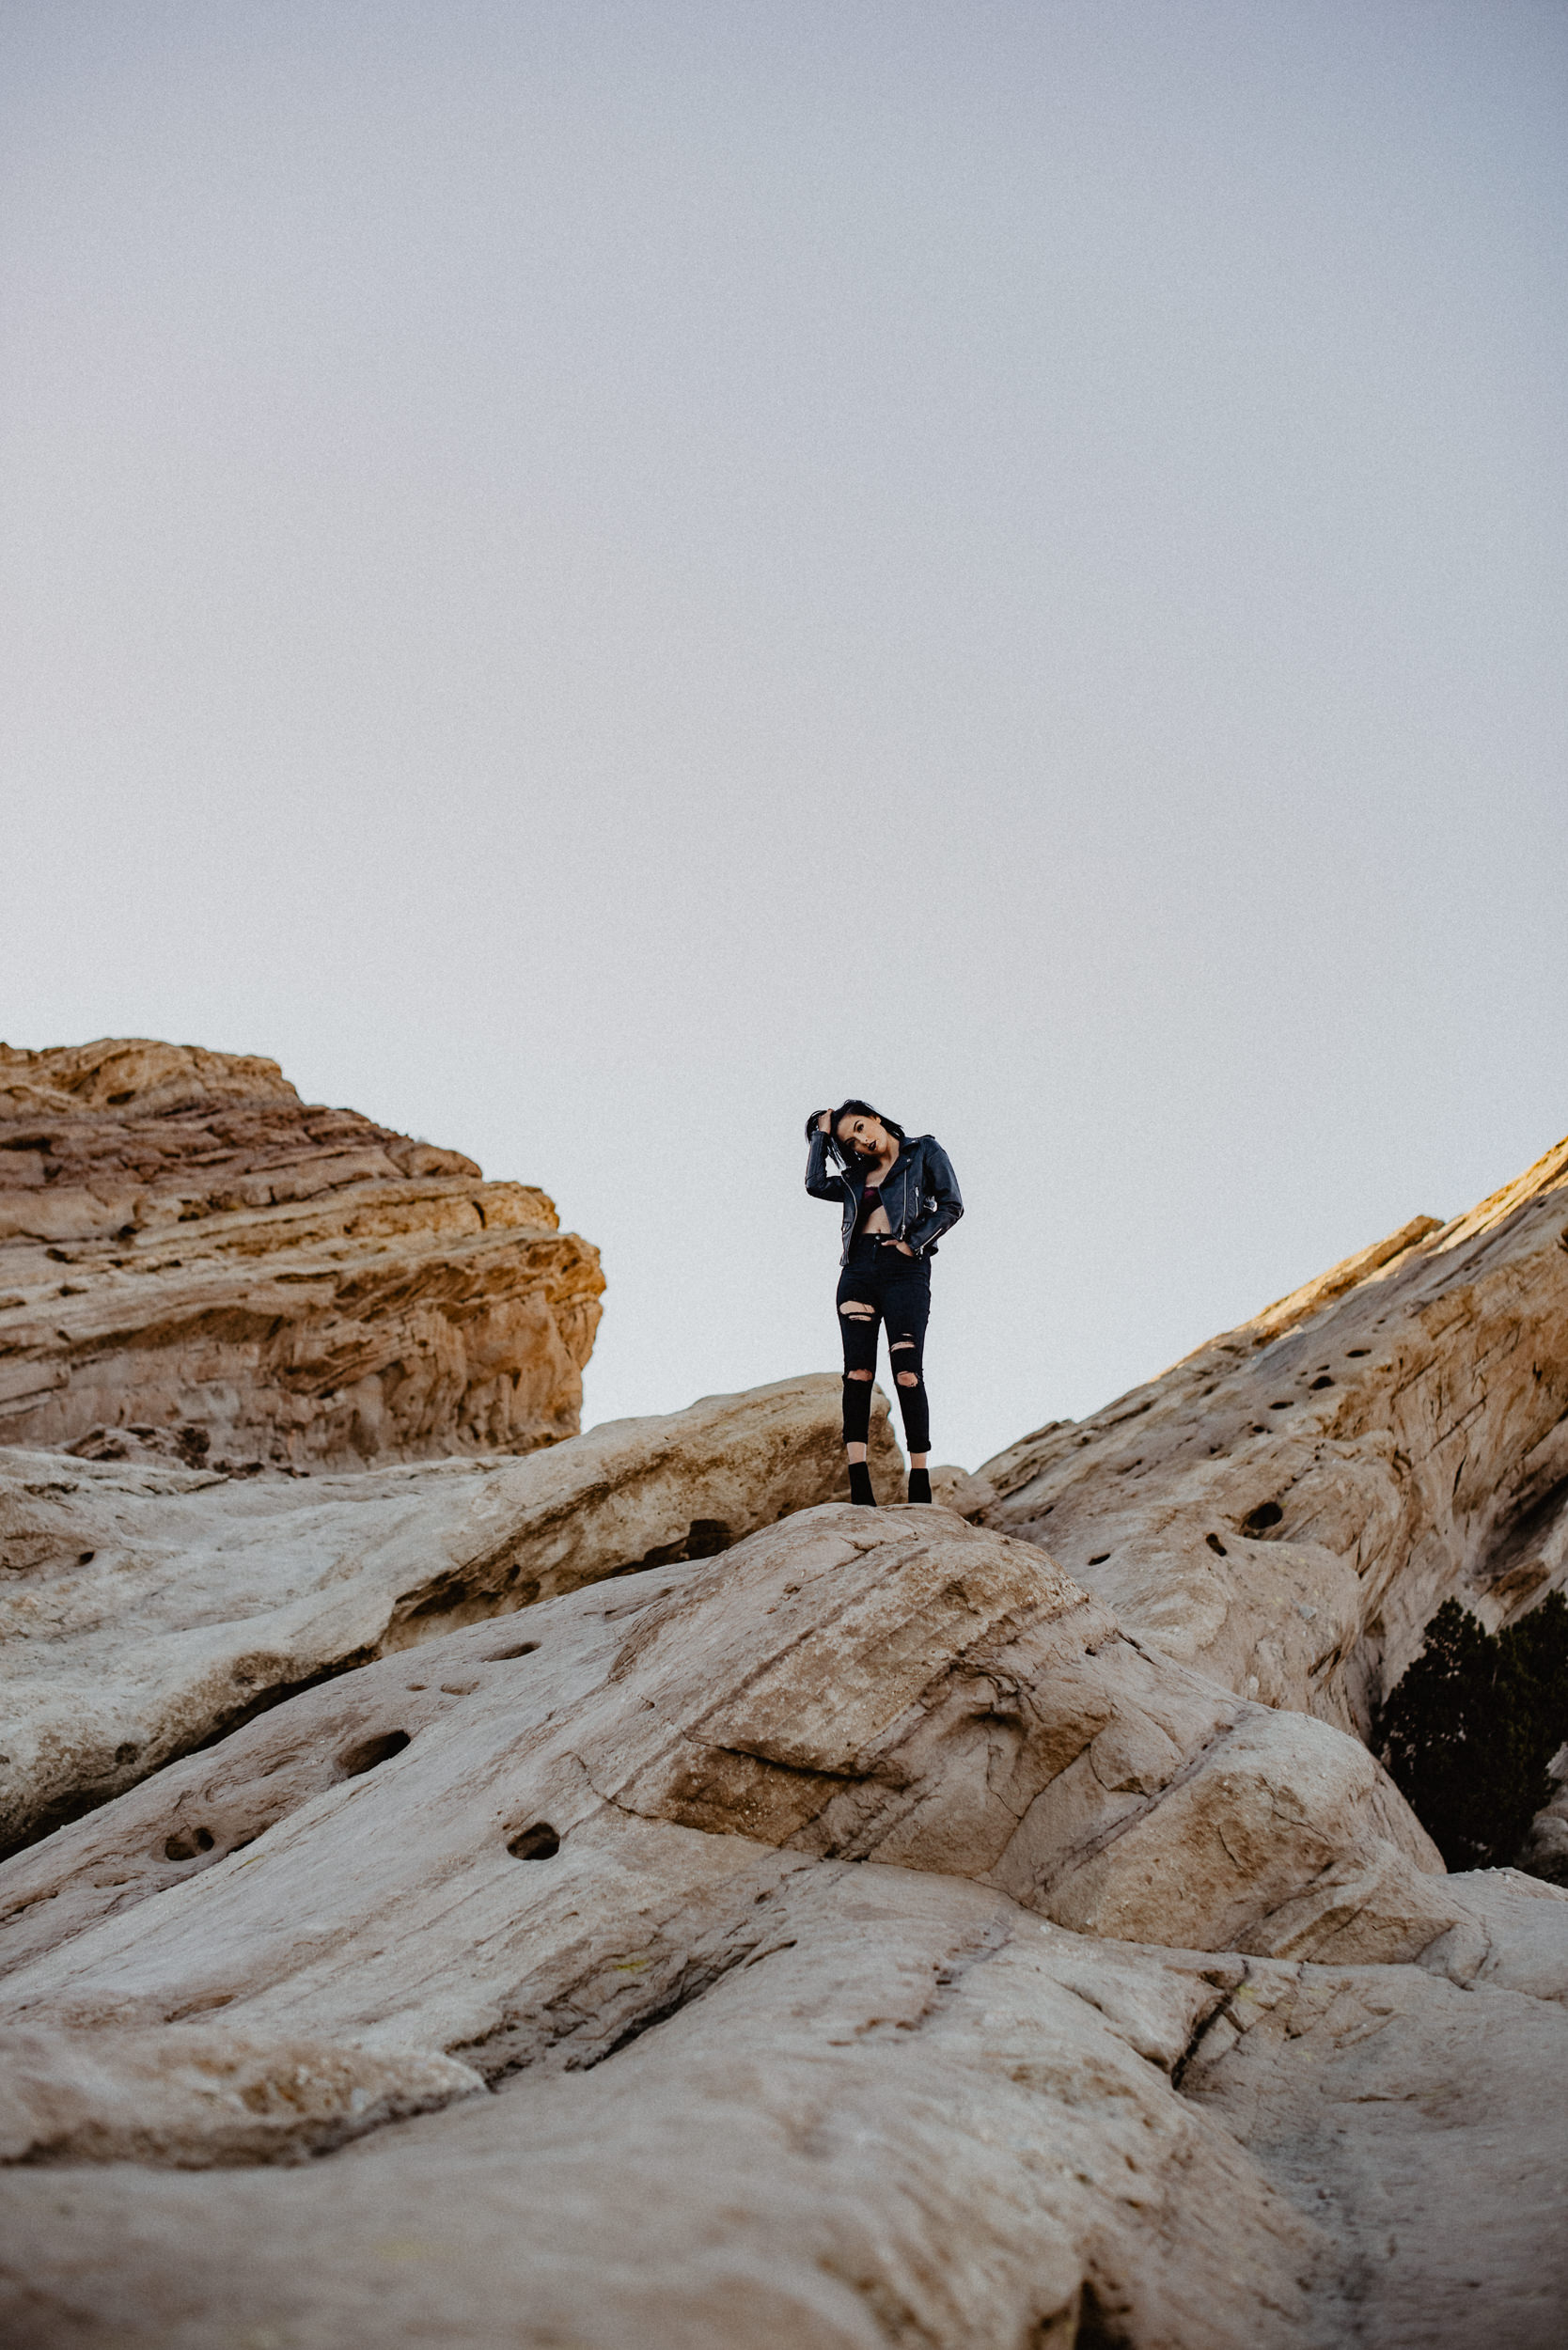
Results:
192 2098
1424 2124
889 2110
195 1264
1287 1507
780 1899
145 1609
894 1687
718 1921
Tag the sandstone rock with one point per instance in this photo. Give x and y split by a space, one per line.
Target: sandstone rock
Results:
894 2108
192 2098
145 1609
195 1263
1513 1934
847 2101
953 1488
845 1685
862 1936
1287 1507
1421 2126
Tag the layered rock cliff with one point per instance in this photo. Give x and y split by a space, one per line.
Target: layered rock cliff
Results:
791 1924
193 1263
1288 1506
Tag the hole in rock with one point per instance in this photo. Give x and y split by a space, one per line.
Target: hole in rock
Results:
1323 1382
1099 1559
1258 1521
705 1538
1283 1405
538 1843
1216 1544
371 1751
1357 1350
1100 2324
127 1753
185 1843
85 1557
505 1655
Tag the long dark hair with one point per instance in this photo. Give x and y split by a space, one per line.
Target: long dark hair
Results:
844 1152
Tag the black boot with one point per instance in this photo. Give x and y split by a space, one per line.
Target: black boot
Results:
919 1484
860 1486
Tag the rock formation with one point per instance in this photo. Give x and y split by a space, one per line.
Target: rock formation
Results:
1287 1507
826 1848
195 1264
145 1610
743 1921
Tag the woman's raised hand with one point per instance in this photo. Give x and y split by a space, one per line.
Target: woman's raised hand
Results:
824 1122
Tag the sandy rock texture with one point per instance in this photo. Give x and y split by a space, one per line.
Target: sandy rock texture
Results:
1287 1507
193 2098
850 1685
1422 2125
837 1925
683 1909
905 2111
195 1264
145 1608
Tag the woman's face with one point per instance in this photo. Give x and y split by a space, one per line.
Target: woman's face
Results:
867 1135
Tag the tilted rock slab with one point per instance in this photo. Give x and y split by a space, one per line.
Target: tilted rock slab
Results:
905 2111
1289 1507
194 1262
1421 2125
145 1610
789 1840
190 2098
850 1686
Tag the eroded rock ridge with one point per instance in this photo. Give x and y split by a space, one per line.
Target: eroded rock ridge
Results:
688 1910
195 1264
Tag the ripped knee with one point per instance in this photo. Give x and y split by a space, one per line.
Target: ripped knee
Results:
859 1374
908 1378
858 1312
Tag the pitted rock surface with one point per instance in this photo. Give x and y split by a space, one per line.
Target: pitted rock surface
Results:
145 1610
716 1917
1289 1507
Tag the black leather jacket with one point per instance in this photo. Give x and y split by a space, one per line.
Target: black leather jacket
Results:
919 1190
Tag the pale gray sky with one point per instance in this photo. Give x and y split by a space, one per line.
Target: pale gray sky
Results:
594 577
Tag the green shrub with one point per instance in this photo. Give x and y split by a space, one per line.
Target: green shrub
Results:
1467 1734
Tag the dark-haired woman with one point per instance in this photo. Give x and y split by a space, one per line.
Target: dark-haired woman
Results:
898 1196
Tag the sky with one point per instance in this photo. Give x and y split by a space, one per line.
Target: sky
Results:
593 578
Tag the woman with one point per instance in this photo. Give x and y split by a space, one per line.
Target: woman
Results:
899 1197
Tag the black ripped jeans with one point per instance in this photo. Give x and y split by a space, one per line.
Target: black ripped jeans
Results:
897 1290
